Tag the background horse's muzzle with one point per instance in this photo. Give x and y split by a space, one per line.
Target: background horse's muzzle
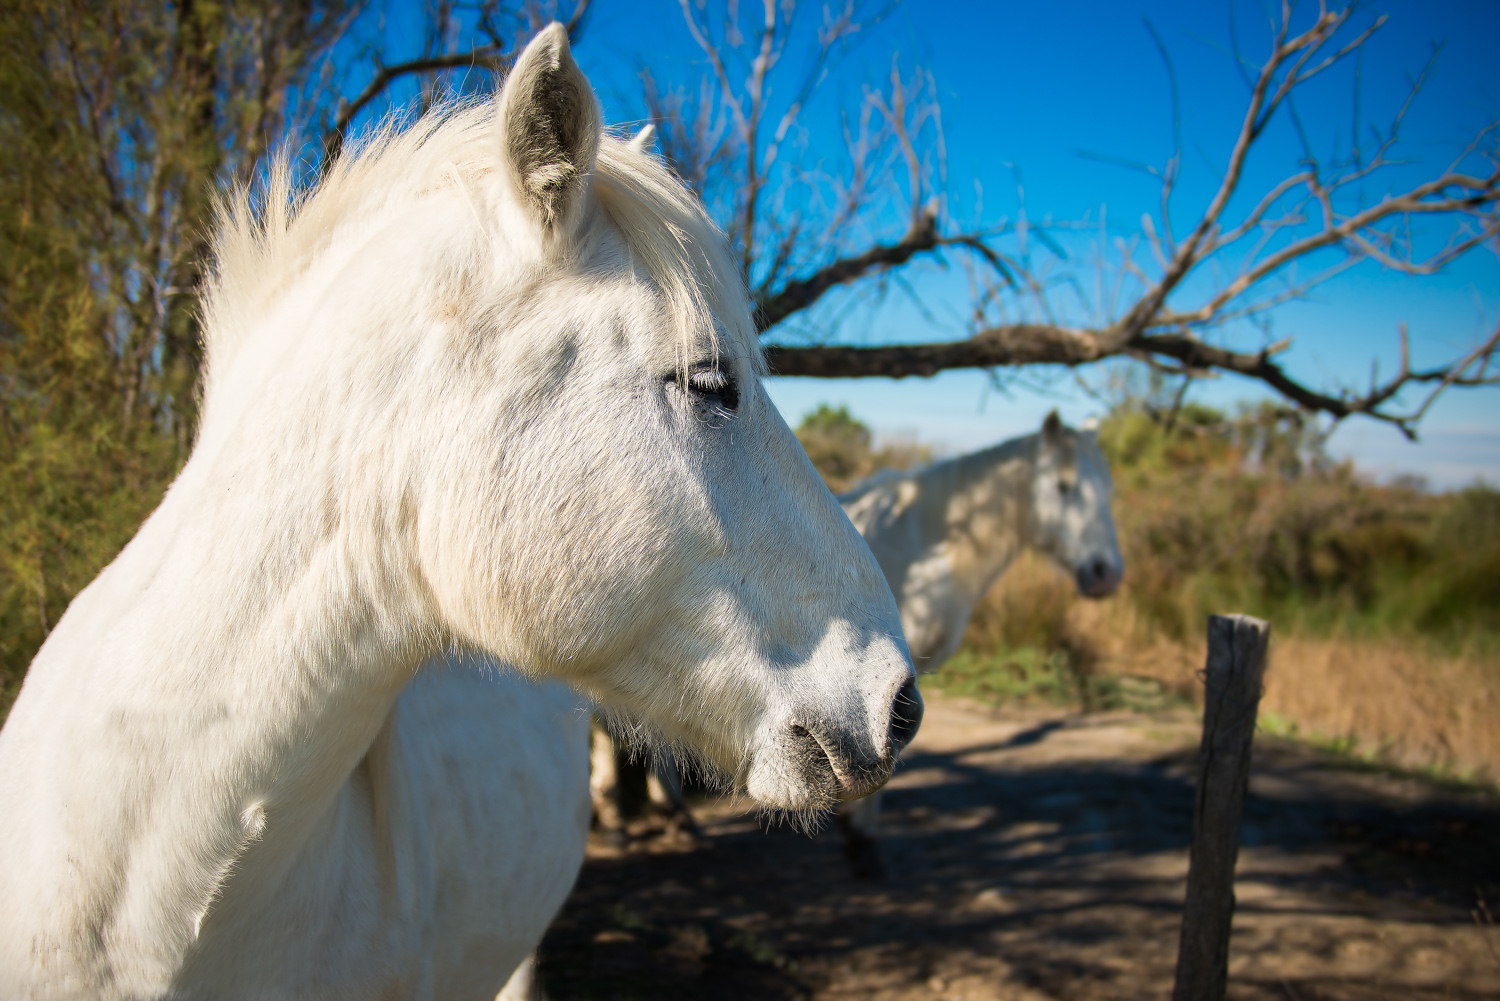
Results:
1098 576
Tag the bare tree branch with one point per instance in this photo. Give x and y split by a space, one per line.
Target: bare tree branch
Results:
488 57
493 58
1040 344
1452 193
801 293
1018 344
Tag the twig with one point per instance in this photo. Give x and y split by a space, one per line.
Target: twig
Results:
490 57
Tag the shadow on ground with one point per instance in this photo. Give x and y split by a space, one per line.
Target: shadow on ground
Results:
1043 857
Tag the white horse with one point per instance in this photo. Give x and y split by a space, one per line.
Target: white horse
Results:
494 387
946 533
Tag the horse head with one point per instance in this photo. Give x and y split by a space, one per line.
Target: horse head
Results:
1070 507
607 493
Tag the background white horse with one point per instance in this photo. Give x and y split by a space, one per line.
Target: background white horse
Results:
944 534
494 386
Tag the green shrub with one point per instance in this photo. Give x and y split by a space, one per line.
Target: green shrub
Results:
841 448
837 444
1248 513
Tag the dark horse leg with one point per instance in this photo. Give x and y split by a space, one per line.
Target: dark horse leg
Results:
860 822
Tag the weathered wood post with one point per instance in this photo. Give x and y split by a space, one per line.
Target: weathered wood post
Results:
1232 679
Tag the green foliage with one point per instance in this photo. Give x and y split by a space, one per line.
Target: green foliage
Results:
1247 512
1011 674
841 448
1029 674
117 121
1458 591
81 452
837 444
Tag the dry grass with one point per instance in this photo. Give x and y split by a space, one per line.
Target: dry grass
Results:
1392 701
1398 700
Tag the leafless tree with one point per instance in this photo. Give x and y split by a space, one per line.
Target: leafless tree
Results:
803 230
803 226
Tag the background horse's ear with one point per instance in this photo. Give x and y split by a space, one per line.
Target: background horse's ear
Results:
1052 430
550 124
642 139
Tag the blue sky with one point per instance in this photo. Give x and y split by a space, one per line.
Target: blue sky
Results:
1026 88
1034 84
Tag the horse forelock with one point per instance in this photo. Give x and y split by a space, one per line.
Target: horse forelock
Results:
1079 456
666 228
271 234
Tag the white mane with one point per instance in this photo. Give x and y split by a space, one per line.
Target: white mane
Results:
964 467
259 250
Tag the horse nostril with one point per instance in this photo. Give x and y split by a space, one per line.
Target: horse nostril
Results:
1101 570
906 715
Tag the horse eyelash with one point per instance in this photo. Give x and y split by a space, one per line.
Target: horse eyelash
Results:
709 381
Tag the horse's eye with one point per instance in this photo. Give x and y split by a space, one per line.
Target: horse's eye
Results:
1064 487
710 384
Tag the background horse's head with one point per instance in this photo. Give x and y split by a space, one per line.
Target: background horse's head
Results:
533 363
1071 519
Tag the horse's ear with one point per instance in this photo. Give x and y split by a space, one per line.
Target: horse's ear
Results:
1052 429
642 140
550 125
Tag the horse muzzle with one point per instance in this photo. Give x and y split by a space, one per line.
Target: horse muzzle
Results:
1098 577
812 763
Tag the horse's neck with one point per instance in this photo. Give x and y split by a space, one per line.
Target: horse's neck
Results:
985 499
194 714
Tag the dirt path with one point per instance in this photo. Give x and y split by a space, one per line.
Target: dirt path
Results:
1041 855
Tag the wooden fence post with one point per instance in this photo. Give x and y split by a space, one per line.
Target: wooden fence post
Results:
1232 679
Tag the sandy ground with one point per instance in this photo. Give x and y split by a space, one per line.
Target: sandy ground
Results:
1038 855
